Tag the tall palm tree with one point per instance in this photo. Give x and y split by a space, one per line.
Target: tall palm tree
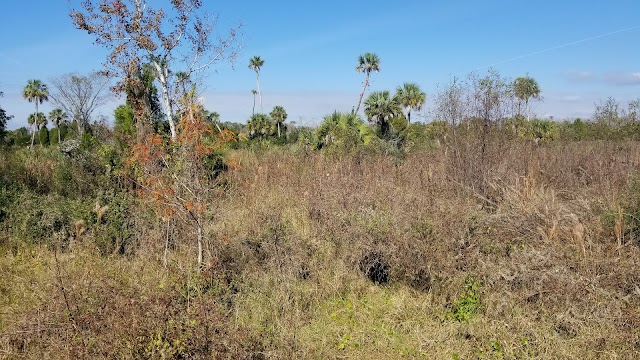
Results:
380 107
253 111
255 63
367 63
410 97
526 88
279 115
37 92
58 117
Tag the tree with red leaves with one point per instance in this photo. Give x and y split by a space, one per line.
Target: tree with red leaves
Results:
173 176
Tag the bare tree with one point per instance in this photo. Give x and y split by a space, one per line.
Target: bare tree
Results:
135 33
450 105
79 96
474 108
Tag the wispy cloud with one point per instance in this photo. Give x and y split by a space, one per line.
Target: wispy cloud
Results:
611 78
580 75
570 98
622 79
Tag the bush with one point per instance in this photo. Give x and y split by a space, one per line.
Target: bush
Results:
113 217
42 220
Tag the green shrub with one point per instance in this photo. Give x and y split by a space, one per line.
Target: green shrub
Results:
114 225
468 305
41 220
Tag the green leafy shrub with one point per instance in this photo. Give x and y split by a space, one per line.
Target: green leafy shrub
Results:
468 305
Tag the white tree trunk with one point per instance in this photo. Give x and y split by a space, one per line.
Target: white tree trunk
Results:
364 88
35 125
259 92
163 74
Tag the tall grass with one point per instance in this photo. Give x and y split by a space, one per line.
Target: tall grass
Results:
529 252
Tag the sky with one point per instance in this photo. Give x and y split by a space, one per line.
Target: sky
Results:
580 52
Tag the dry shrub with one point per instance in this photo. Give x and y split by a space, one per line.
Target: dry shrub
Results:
84 306
533 235
291 244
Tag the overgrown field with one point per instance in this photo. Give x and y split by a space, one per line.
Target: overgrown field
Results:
525 251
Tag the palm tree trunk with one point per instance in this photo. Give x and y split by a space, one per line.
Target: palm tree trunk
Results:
278 129
259 92
253 112
33 134
409 115
526 108
366 83
35 119
59 130
384 128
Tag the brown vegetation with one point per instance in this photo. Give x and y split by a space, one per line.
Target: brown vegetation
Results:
524 251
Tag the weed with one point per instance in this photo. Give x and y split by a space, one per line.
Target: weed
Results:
468 305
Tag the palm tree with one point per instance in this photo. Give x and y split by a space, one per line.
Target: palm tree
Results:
253 112
410 97
343 129
526 88
58 117
279 115
36 120
367 63
37 92
260 125
213 118
255 63
380 107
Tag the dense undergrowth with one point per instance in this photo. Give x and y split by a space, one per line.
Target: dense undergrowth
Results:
523 251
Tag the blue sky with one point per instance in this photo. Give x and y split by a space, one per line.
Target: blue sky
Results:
579 51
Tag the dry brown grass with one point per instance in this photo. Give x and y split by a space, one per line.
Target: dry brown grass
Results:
286 249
